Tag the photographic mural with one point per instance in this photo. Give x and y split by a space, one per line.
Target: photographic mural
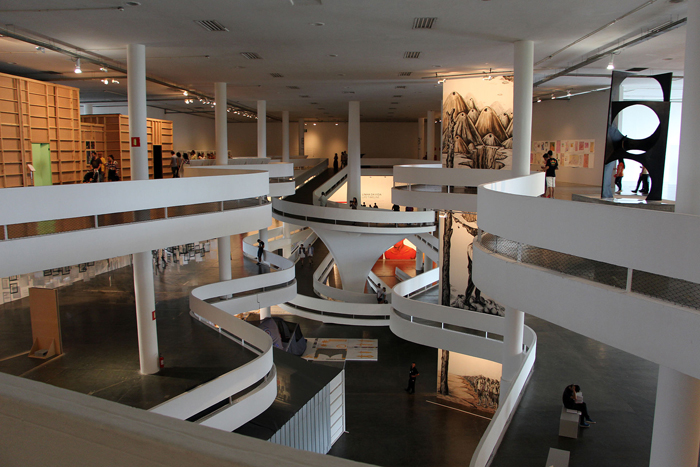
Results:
474 383
477 123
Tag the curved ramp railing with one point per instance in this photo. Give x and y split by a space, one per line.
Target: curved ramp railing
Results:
463 331
258 376
598 284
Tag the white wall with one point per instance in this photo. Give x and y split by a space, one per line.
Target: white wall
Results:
582 117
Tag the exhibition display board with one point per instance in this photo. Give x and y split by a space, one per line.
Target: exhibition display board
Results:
34 112
117 142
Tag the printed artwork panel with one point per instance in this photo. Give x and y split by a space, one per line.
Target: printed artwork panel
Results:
477 123
471 383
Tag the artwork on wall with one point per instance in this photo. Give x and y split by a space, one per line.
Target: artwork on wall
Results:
472 383
569 153
458 289
477 123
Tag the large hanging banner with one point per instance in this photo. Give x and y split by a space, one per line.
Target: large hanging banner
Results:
477 123
470 383
569 153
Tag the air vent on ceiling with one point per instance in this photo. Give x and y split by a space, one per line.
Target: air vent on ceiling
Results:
348 92
276 75
292 87
398 95
400 87
212 25
251 55
313 103
423 23
404 73
637 69
411 54
392 108
304 96
393 103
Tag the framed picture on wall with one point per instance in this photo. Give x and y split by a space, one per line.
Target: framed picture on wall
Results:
66 270
91 263
57 272
14 288
6 297
82 267
47 272
6 283
13 278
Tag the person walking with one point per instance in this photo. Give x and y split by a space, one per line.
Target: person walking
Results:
302 254
644 181
310 254
174 164
412 375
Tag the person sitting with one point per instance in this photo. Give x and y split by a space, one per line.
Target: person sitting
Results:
569 398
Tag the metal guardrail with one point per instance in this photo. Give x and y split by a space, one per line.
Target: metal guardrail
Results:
54 226
677 291
452 189
334 221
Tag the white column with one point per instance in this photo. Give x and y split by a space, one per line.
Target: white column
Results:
301 136
136 89
676 435
522 107
421 138
87 109
265 312
221 119
354 166
262 128
512 348
285 136
430 139
420 263
287 235
143 261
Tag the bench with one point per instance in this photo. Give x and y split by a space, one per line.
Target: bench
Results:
568 423
557 458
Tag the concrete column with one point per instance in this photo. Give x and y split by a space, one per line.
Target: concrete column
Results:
522 107
265 312
287 235
512 348
420 262
301 136
262 128
421 138
285 136
430 139
143 261
136 89
354 166
676 435
221 119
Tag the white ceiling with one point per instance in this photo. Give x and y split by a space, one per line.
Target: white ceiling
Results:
369 38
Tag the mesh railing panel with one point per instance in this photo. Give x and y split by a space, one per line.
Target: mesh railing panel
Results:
192 209
117 218
596 271
665 288
33 229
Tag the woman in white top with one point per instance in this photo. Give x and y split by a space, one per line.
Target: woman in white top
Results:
302 253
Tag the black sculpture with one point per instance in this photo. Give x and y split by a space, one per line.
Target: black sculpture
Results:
618 146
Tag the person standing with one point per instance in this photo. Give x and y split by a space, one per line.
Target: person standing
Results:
302 254
619 173
323 200
310 254
112 169
412 375
96 164
644 181
335 163
174 164
261 249
550 174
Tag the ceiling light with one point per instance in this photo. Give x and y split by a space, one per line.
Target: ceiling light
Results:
106 81
568 93
114 81
184 93
539 100
552 96
440 81
336 124
40 49
317 24
314 124
104 69
611 65
77 66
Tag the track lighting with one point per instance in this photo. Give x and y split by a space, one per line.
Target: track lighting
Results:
77 66
40 49
611 65
106 81
184 93
114 81
539 100
104 69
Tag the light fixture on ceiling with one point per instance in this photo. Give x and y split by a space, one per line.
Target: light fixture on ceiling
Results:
611 65
106 81
40 49
489 77
553 97
77 66
539 100
114 81
104 69
184 93
568 93
440 81
336 124
314 124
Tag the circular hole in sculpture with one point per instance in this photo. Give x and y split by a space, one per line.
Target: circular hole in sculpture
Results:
637 122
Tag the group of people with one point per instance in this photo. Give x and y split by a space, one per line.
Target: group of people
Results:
343 160
643 179
101 169
306 253
177 161
487 390
381 295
